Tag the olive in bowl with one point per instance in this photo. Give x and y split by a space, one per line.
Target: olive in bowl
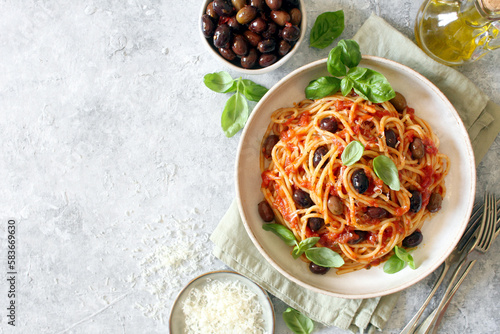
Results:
252 36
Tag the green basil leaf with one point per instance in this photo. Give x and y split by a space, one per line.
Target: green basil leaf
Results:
352 153
235 114
346 85
220 82
252 91
322 87
327 27
351 55
387 171
371 85
334 63
404 255
411 264
324 257
393 265
297 322
281 231
304 245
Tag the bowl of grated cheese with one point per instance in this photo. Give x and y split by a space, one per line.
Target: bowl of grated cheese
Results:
222 302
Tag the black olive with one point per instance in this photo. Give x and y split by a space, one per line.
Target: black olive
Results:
399 102
302 198
207 26
233 24
265 211
266 45
271 30
280 17
227 53
377 213
315 223
267 59
435 202
252 38
360 181
360 236
318 155
283 48
413 240
415 201
328 124
222 36
211 12
391 139
222 7
240 46
250 59
417 148
259 4
258 25
291 33
269 145
274 4
318 270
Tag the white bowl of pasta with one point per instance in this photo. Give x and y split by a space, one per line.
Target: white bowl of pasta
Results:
314 193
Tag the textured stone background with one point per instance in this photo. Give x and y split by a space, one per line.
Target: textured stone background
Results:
112 156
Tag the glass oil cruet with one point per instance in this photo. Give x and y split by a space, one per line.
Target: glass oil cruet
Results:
455 32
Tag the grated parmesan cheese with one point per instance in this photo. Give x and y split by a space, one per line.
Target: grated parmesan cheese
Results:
223 308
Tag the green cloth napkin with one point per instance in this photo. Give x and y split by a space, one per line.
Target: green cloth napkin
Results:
233 246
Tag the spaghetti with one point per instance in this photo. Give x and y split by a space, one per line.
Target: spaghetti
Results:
353 212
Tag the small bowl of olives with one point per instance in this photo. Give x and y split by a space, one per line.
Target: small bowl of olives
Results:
253 36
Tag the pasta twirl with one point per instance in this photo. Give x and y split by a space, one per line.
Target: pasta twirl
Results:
362 225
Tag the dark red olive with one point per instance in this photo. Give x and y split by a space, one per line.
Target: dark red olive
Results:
267 59
258 25
280 17
266 45
283 48
360 236
269 144
252 38
250 59
227 53
315 223
435 202
291 33
328 124
391 139
318 270
413 240
376 213
271 30
399 102
274 4
417 148
222 36
302 198
259 4
360 181
240 46
415 201
211 12
265 211
207 26
223 7
318 155
295 16
233 24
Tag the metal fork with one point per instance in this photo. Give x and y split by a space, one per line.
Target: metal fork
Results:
461 248
486 235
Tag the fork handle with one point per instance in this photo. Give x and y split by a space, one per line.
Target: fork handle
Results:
412 324
433 321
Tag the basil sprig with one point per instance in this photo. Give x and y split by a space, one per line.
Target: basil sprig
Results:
297 322
352 153
387 171
327 27
322 256
236 111
322 87
367 83
398 261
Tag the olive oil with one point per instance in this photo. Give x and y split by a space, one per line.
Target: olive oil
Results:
453 32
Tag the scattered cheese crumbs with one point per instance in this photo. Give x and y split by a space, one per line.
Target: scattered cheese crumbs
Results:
223 307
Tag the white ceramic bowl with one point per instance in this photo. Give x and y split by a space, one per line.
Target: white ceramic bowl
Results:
178 319
212 50
441 233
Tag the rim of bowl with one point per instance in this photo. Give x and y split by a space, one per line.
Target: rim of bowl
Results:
306 285
243 277
274 66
